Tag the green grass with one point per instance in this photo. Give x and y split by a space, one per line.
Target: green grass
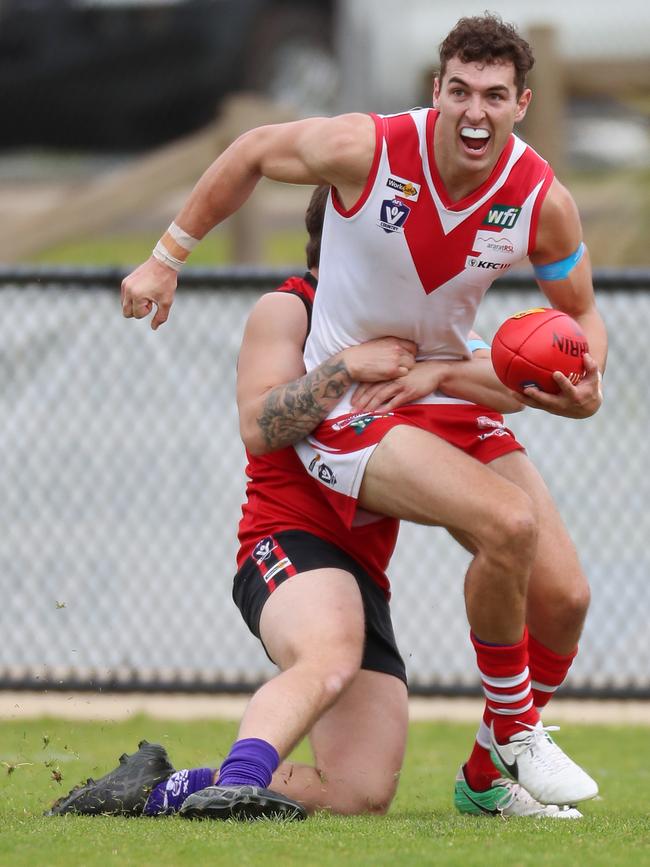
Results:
422 827
606 200
280 248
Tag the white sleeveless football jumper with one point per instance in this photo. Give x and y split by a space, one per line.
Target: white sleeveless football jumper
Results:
405 261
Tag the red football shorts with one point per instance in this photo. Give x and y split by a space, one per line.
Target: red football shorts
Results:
338 450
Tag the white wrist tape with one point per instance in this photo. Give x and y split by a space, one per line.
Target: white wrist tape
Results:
187 242
162 254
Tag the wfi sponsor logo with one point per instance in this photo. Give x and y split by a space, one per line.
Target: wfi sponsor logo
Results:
502 216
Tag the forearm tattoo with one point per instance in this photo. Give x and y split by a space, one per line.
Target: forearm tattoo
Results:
293 410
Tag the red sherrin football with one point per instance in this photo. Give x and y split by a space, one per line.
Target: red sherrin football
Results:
532 344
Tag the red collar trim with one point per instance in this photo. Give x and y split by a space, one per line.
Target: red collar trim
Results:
477 194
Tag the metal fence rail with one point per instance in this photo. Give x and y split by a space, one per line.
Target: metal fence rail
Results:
122 477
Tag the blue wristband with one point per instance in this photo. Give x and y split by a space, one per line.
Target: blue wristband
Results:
477 343
559 270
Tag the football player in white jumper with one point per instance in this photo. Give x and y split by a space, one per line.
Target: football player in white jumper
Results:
428 208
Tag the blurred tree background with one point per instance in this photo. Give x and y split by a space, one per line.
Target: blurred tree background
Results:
112 109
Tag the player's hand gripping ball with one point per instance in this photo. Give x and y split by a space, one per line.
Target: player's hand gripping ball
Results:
531 345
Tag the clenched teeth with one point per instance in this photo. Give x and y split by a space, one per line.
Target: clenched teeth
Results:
474 132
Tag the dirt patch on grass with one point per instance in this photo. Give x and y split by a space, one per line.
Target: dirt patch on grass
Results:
91 706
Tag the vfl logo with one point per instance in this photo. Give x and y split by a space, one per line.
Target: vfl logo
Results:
263 550
325 474
393 215
502 216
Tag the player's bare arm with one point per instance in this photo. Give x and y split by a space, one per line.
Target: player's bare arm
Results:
559 248
278 402
473 380
338 151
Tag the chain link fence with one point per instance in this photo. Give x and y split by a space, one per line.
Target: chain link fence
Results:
122 475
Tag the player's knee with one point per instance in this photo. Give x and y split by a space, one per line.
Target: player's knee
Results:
515 530
523 530
572 603
582 599
339 674
379 800
373 798
332 665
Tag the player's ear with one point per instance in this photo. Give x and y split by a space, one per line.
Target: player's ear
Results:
436 91
522 104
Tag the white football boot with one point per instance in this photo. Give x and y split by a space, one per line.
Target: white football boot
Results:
533 759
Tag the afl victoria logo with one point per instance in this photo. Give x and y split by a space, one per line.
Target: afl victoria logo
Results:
326 475
393 215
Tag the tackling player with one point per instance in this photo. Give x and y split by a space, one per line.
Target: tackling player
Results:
428 207
358 743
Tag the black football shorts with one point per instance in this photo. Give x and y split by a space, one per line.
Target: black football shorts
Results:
277 558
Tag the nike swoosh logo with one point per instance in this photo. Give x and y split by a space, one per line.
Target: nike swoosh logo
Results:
480 806
510 768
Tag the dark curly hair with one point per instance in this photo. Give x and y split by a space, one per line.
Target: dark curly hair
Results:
314 222
486 39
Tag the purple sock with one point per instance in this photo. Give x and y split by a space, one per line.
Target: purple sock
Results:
168 796
250 762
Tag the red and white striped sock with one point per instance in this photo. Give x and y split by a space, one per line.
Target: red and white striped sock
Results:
505 678
547 670
479 768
